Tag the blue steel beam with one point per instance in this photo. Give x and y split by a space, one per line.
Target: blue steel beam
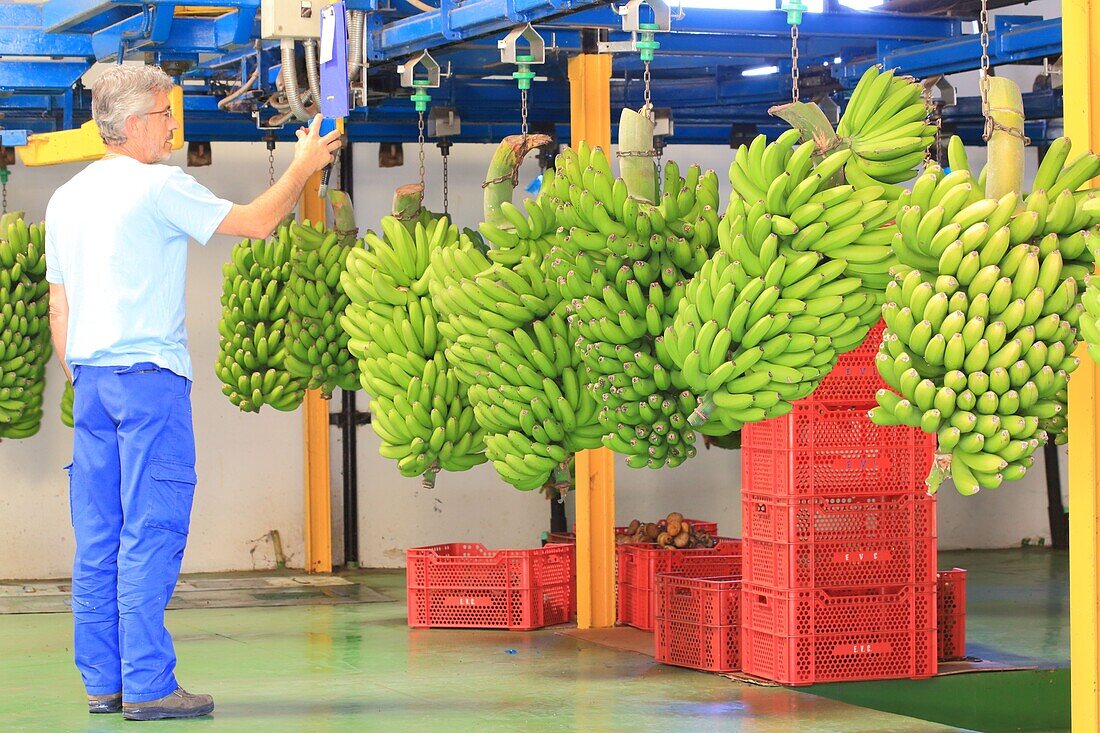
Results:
75 16
845 24
1010 42
21 35
455 22
36 77
160 30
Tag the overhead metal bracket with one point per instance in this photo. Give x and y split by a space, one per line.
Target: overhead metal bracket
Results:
940 91
829 108
663 125
444 122
408 71
508 46
633 24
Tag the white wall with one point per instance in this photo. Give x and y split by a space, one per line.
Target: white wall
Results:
250 466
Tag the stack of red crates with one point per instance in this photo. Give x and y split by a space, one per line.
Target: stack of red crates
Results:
839 565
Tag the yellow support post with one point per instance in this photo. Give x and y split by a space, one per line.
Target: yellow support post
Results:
1081 49
590 120
318 504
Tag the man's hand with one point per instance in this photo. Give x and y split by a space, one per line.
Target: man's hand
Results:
312 149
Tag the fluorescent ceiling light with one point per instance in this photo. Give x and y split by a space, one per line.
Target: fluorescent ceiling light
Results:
760 71
861 4
837 60
812 6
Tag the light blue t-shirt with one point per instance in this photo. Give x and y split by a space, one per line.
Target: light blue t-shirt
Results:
116 237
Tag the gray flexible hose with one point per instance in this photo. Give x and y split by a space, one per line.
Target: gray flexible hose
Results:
313 71
290 80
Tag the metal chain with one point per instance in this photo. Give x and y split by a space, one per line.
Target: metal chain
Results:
271 166
647 80
446 183
4 197
794 62
420 128
523 127
983 79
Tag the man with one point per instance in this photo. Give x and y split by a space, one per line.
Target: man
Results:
116 253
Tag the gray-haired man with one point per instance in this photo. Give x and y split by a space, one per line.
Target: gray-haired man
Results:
116 254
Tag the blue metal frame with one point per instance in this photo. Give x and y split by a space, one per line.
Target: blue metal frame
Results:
698 72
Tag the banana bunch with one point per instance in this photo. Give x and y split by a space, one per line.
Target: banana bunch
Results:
780 190
253 348
25 345
627 252
886 128
318 347
509 342
67 398
419 407
981 319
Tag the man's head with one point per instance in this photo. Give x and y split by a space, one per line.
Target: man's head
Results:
130 106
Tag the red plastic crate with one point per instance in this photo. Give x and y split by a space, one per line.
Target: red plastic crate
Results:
708 648
639 564
854 380
700 601
856 655
711 528
821 450
463 585
951 614
838 518
838 611
847 564
698 622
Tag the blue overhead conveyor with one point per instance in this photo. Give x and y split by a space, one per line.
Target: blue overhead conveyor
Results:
233 60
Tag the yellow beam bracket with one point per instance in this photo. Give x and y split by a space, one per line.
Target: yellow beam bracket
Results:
1081 47
318 499
590 120
84 143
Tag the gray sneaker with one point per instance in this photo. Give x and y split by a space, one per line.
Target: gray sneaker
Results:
98 704
179 704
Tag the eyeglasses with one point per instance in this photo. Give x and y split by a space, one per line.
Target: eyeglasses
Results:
166 113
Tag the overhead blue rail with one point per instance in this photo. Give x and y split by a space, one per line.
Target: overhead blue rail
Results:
1013 39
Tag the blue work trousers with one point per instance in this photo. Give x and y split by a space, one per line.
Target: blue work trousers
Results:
131 486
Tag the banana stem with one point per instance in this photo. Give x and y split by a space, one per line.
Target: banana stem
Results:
702 412
811 122
407 200
1005 172
507 158
343 215
636 167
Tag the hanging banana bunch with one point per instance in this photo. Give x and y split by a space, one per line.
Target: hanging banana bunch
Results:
982 317
419 408
67 398
627 252
253 348
318 352
885 126
768 314
508 338
25 345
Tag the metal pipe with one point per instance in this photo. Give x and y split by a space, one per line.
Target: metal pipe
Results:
290 79
349 424
313 71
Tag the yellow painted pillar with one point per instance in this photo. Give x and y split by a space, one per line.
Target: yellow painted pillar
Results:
318 499
1081 50
590 120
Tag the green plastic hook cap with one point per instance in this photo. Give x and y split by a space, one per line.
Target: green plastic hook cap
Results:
795 9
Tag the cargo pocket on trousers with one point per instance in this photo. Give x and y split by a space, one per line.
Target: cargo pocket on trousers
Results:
72 513
173 487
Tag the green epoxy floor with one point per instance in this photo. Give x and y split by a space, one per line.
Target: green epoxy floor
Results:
359 668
